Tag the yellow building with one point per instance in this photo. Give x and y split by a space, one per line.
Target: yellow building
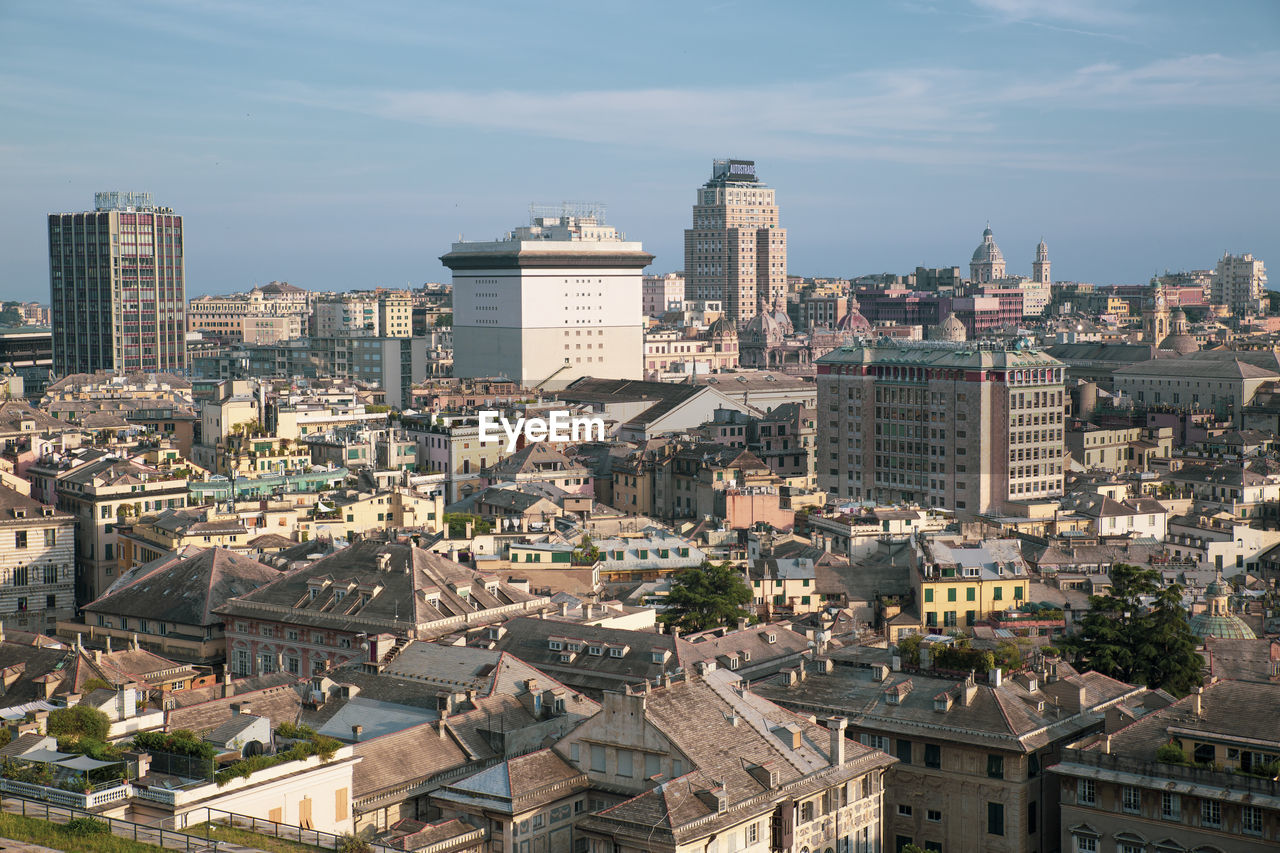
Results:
346 513
959 583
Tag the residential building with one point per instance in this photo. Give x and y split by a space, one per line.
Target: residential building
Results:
962 426
1118 448
142 607
855 531
1239 283
972 756
37 563
118 280
1196 775
959 583
316 618
736 250
662 293
553 301
703 765
103 493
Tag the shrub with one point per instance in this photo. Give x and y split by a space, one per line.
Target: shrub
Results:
1171 753
296 732
179 742
909 649
353 844
85 826
80 721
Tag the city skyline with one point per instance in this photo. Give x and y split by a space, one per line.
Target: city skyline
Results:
336 149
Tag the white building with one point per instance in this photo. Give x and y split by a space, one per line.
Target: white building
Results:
663 293
549 303
1240 283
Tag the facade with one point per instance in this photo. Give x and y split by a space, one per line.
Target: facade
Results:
118 287
966 427
551 302
972 756
662 293
959 583
317 617
700 766
736 251
1240 283
37 563
1197 775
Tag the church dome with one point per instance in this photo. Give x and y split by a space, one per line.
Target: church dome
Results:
950 329
765 328
722 328
1181 344
987 252
853 321
781 317
1221 627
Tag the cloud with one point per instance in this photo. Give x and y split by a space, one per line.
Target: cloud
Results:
1085 13
922 115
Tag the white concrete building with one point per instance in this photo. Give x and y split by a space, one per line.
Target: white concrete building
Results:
1240 283
549 303
663 293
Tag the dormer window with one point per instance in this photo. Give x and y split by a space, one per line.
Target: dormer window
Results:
596 650
616 651
555 645
340 594
771 638
566 657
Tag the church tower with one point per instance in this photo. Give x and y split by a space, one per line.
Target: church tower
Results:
1155 321
1040 269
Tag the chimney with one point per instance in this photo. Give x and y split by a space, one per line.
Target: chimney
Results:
144 764
108 644
1 630
356 731
239 708
743 623
228 689
1196 707
531 685
837 726
97 655
1106 744
995 677
564 608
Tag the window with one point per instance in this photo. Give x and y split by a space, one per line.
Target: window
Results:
995 818
932 756
933 815
597 758
995 766
1086 792
1210 813
806 811
50 538
1131 799
753 833
1251 820
1031 818
1170 806
879 742
904 810
652 764
1086 844
625 764
20 539
20 576
997 593
903 751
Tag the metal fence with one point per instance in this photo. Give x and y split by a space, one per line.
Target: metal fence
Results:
157 835
196 819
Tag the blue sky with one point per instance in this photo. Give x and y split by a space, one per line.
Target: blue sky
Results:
341 145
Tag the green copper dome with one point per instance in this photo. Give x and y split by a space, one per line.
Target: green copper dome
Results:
1223 627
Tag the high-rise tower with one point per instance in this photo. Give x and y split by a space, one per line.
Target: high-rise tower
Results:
1040 269
118 287
736 251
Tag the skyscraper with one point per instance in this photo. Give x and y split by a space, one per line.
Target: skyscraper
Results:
736 251
118 287
551 302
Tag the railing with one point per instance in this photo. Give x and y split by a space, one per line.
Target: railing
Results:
157 835
206 815
62 797
1158 770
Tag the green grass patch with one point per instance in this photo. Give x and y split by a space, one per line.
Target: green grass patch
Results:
235 835
48 834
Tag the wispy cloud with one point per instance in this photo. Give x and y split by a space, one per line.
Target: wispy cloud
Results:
1099 14
921 115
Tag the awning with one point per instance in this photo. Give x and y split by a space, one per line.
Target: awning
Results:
84 762
44 756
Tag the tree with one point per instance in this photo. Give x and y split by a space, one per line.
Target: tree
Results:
1126 639
706 597
80 721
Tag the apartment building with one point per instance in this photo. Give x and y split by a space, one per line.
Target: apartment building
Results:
663 780
958 583
1196 775
1240 283
962 426
972 756
37 563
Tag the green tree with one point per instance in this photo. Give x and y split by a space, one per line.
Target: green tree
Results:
1141 644
706 597
79 721
444 321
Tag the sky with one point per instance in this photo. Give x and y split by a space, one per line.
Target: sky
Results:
346 145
